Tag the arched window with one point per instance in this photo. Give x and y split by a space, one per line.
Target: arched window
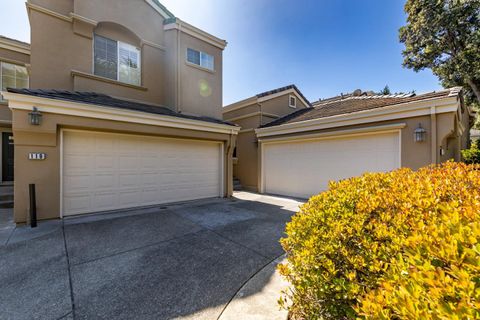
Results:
114 59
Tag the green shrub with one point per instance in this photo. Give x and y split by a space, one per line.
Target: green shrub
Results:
397 245
472 155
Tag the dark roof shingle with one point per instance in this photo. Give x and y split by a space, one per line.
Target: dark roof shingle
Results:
329 108
100 99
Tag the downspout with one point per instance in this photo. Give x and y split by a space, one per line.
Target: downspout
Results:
229 164
178 67
259 155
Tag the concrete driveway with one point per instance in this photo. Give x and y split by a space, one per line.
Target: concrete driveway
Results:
182 261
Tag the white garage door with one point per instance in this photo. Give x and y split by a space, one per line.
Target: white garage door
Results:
304 168
103 171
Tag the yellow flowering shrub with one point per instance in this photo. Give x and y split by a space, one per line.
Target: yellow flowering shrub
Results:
397 245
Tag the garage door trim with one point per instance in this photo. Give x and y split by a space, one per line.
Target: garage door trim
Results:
393 128
61 151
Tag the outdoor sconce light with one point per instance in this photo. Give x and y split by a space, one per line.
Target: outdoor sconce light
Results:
35 117
419 134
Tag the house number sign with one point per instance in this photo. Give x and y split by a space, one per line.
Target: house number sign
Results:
37 156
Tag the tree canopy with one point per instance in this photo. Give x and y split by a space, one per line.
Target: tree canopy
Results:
444 36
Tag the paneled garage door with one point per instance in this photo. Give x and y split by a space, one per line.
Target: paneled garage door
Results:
103 171
304 168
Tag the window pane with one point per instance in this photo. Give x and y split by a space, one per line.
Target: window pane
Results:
105 64
8 69
21 72
206 61
193 56
129 64
8 82
13 76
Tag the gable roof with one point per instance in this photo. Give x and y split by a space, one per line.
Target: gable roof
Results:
278 90
103 100
265 96
351 104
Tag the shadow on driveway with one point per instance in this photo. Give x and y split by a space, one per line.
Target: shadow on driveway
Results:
183 261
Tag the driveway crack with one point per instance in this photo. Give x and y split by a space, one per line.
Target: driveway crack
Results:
244 283
223 237
69 270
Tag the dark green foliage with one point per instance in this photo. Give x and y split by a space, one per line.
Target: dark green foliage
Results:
444 36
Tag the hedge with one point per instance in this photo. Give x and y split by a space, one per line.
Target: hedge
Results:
397 245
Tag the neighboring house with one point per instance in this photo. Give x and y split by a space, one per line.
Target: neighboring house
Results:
340 138
344 136
124 111
252 113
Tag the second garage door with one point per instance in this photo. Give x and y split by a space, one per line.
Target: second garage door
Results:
103 171
304 168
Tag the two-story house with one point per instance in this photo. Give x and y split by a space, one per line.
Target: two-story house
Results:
124 109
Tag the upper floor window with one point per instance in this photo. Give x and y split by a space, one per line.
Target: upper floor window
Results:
200 58
12 76
116 60
292 101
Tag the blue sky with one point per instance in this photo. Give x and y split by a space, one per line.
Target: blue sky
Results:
325 47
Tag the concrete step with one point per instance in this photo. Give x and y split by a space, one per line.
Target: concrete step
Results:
6 197
8 204
237 186
6 189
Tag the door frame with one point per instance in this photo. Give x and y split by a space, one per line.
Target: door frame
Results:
220 143
2 130
393 128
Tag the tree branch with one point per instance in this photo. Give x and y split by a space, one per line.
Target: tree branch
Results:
475 88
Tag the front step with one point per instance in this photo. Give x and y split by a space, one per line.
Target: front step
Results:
6 204
237 186
6 196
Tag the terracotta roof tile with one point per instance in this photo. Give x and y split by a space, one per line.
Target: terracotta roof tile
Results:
351 104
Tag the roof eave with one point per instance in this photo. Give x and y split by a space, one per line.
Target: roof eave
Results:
18 101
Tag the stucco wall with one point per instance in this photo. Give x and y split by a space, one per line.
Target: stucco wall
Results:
60 47
46 138
200 89
14 57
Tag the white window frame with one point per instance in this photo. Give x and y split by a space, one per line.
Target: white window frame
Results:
200 59
1 76
290 97
118 59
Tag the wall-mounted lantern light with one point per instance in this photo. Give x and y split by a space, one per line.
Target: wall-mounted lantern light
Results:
419 134
35 117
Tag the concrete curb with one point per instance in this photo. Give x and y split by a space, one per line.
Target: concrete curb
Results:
257 299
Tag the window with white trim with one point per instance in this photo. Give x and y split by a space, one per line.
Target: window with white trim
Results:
116 60
12 76
201 59
292 101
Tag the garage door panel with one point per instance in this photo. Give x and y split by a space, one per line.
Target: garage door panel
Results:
304 168
120 171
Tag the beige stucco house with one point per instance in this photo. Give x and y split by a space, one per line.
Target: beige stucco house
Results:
124 109
298 154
